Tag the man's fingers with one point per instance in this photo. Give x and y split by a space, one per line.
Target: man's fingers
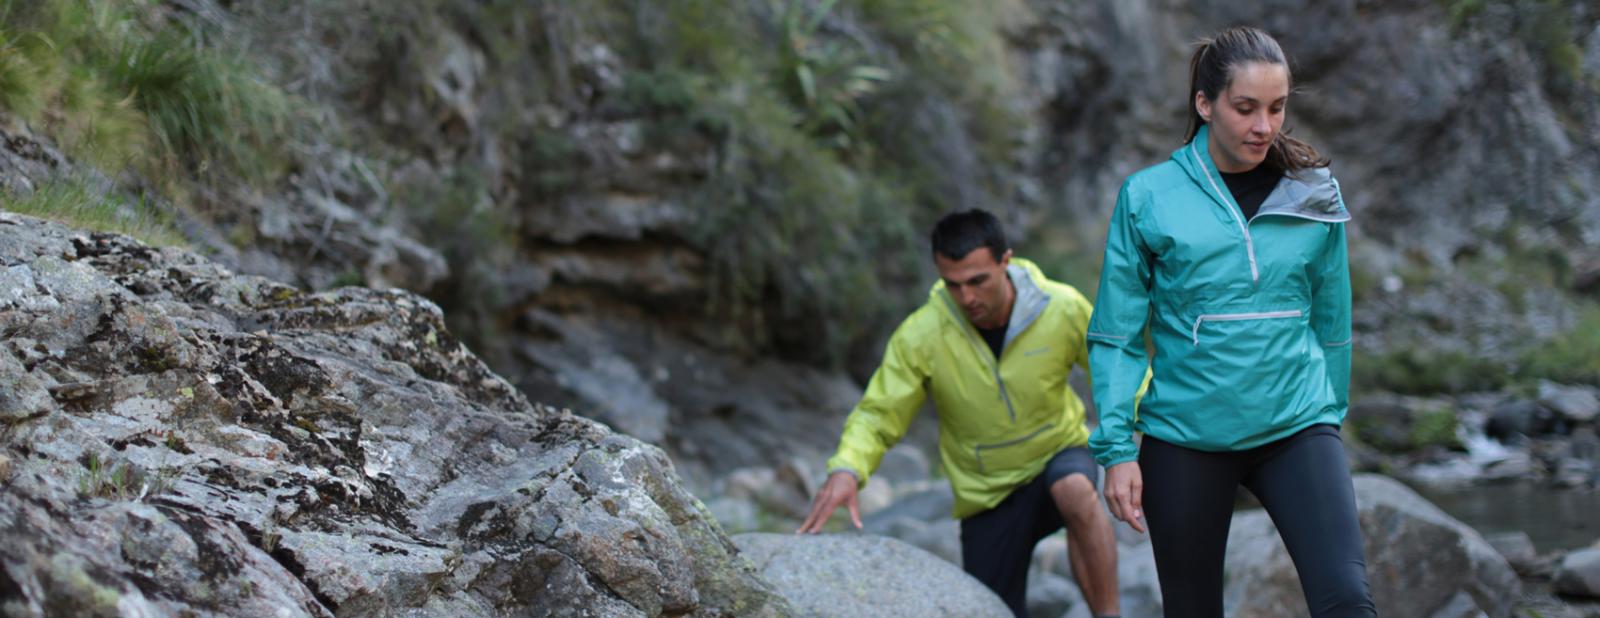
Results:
818 508
855 513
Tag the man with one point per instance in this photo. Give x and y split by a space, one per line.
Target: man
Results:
993 345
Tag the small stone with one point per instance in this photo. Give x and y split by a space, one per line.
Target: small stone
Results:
1517 548
1579 574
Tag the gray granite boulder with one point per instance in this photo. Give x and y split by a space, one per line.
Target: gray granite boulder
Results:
865 575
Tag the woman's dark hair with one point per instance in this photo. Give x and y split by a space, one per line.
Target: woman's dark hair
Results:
1211 69
959 233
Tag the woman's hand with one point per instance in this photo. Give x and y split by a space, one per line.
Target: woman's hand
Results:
1125 493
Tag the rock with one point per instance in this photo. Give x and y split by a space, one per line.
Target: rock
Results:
1051 595
1419 560
1393 423
1519 418
1518 550
220 444
865 575
905 463
735 514
1576 403
933 504
24 395
762 486
1515 466
876 496
1579 573
941 537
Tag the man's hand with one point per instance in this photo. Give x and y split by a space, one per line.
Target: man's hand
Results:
839 489
1125 493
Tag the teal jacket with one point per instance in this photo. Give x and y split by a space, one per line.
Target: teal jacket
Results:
1250 320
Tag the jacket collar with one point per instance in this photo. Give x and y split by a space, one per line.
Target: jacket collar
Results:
1311 193
1025 309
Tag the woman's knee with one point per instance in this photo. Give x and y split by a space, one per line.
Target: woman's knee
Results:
1346 597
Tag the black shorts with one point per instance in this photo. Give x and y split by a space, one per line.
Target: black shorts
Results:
997 544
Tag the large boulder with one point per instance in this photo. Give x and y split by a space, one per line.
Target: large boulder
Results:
865 575
191 442
1420 561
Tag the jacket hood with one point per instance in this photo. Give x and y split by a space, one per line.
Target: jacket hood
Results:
1310 193
1030 302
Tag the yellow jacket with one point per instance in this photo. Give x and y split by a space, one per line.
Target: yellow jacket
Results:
999 422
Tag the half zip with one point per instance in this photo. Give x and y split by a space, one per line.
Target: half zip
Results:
1234 317
983 352
1249 245
977 451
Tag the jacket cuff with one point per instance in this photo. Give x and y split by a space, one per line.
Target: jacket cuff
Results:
859 482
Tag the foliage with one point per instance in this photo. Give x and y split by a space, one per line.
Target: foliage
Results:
77 202
109 80
120 481
1435 427
1573 357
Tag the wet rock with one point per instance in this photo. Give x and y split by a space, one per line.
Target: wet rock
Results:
1579 573
207 443
865 575
1519 419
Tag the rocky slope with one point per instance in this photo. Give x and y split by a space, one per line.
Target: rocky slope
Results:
1460 199
181 439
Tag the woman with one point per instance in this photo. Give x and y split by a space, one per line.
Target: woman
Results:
1233 254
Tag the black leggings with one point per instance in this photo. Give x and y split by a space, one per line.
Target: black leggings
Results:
1303 482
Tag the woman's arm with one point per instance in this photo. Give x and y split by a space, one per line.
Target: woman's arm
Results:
1117 359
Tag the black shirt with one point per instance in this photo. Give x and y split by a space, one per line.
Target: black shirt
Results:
995 337
1251 188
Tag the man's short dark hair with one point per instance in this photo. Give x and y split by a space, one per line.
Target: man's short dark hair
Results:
960 232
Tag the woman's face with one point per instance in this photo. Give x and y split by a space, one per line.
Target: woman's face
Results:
1246 116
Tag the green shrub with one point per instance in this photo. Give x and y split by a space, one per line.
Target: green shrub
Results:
106 80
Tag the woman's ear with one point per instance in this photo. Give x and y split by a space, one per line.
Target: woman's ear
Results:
1202 105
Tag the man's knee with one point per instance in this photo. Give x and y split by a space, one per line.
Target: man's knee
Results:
1075 495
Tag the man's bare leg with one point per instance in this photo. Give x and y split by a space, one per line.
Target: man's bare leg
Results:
1091 545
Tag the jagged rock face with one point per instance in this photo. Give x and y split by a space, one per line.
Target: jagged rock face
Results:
181 439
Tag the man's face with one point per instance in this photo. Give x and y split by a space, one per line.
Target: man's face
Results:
979 285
